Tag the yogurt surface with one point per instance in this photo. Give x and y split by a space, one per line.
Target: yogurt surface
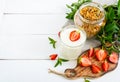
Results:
65 34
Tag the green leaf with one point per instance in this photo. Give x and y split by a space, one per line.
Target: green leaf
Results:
59 61
110 14
52 41
74 7
63 60
85 80
111 27
70 15
119 8
75 4
70 7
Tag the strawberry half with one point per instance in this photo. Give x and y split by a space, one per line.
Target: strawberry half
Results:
53 56
91 52
113 57
101 54
105 66
95 69
74 35
84 61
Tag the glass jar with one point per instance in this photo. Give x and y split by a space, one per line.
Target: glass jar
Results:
71 49
90 17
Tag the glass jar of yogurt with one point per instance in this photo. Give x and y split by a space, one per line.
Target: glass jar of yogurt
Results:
72 40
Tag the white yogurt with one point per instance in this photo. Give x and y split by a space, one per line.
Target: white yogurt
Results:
71 49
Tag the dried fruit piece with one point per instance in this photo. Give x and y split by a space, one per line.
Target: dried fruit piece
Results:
105 66
95 69
101 54
113 57
74 35
84 61
53 56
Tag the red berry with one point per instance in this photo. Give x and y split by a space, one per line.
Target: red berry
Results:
84 61
101 54
95 69
53 56
74 36
105 66
91 52
59 33
113 57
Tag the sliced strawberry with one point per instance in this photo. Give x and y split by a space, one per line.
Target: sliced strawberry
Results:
95 69
84 61
59 33
101 54
91 52
113 57
74 36
105 66
53 56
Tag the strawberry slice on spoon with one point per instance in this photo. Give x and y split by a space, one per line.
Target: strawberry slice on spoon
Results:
74 35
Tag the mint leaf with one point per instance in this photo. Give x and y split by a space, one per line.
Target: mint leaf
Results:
111 27
59 61
52 41
110 33
86 80
110 14
119 8
74 7
63 60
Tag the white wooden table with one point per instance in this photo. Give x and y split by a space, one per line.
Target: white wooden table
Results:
25 26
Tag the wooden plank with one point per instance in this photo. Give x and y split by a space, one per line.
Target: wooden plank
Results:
105 2
36 6
42 6
37 71
26 46
1 11
32 24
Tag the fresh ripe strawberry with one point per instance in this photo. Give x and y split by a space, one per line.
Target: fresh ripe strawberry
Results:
105 66
95 69
91 52
101 54
113 57
84 61
59 33
53 56
74 36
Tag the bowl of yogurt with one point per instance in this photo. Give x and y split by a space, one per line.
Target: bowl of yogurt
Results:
72 40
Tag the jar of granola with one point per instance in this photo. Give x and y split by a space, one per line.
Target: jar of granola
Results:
90 17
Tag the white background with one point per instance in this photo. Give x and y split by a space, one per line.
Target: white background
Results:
25 26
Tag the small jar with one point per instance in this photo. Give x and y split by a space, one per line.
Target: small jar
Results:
70 49
90 17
